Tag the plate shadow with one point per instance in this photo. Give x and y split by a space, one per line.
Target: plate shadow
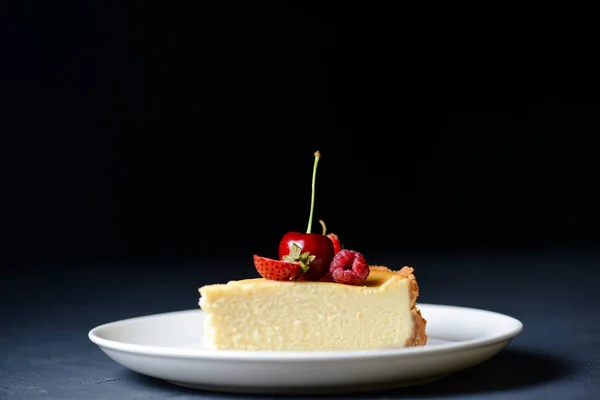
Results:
509 369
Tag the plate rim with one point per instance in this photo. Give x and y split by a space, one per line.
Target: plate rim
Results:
295 355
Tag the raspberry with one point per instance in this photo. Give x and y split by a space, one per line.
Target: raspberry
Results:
349 267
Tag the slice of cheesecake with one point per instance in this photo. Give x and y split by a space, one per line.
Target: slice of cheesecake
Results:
261 314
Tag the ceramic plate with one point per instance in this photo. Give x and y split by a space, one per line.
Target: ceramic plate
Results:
166 346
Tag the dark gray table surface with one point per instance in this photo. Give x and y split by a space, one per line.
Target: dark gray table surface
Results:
46 313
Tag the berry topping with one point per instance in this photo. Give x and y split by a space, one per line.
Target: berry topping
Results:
277 270
296 255
312 250
349 267
337 246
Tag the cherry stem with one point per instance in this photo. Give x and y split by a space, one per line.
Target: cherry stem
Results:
312 195
324 226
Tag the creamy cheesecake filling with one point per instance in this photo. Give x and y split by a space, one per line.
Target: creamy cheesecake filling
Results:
258 314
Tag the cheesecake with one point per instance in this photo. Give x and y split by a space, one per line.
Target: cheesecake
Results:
263 314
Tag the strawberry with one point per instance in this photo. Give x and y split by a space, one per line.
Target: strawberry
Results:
337 246
277 270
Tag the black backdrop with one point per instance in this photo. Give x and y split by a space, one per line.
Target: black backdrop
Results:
185 131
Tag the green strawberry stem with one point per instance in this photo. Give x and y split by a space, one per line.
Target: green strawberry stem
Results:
312 195
296 255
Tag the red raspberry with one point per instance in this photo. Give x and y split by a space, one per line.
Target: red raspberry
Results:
349 267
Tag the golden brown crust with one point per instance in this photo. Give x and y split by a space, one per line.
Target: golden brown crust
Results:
419 334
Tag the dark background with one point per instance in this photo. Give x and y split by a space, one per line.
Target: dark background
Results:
186 131
151 148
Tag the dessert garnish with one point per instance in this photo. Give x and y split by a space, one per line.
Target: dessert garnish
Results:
337 245
276 270
349 267
309 256
315 248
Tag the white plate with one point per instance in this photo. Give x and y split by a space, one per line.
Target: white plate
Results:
165 346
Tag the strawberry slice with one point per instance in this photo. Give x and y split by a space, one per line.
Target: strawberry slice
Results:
276 270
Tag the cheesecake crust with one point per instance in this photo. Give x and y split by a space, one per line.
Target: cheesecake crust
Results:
419 334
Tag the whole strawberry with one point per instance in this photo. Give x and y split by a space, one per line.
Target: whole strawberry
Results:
337 245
